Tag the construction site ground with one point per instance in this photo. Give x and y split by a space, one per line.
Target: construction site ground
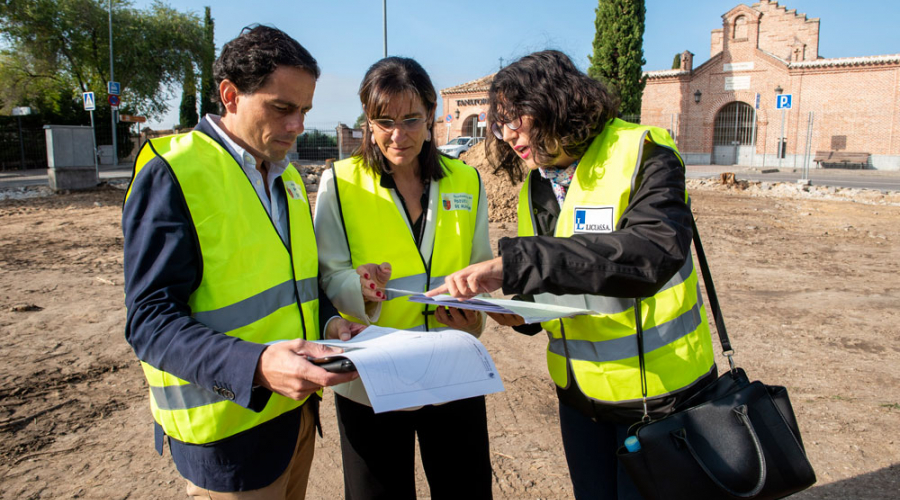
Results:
808 286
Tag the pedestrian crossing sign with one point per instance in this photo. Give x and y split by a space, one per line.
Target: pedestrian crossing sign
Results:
89 103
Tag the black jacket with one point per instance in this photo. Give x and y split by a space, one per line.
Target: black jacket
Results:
649 245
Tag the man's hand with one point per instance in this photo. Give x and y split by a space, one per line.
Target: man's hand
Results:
507 319
342 329
284 369
460 319
483 277
372 279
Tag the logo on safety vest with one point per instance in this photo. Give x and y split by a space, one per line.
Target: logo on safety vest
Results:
456 201
593 219
294 190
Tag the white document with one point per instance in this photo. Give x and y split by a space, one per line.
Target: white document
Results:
400 369
531 312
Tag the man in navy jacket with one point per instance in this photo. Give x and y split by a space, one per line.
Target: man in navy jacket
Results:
265 83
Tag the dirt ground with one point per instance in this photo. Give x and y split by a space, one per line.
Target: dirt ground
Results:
809 291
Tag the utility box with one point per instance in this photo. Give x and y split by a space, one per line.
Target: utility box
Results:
70 157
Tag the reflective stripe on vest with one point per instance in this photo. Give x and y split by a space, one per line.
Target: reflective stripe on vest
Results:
377 232
602 348
253 286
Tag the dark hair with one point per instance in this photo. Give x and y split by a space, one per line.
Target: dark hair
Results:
248 60
568 109
397 78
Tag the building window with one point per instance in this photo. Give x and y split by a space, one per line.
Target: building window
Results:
739 32
734 125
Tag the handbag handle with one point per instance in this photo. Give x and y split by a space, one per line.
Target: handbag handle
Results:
741 412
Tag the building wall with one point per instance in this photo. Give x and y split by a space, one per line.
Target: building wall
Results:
468 105
781 29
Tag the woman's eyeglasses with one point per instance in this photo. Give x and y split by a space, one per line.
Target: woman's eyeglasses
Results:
497 127
409 124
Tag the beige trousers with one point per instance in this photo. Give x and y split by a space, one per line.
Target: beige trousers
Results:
291 485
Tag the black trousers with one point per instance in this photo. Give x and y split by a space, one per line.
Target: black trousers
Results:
590 448
378 450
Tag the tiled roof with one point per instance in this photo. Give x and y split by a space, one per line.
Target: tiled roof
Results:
847 61
480 85
665 73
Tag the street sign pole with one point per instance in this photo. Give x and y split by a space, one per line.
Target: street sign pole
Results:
781 140
94 140
112 78
753 131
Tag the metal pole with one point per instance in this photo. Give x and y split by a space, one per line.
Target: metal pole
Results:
753 139
781 140
809 128
112 78
94 140
384 20
21 142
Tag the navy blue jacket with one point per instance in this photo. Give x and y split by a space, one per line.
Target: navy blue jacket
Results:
162 270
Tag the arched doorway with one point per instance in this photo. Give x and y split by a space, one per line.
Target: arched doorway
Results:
733 136
470 127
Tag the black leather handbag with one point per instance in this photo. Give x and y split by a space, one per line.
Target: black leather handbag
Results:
735 439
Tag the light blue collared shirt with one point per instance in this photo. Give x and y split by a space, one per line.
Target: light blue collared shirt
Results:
276 203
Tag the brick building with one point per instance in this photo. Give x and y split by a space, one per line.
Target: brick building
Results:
764 50
464 104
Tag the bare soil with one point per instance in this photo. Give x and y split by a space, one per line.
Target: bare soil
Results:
809 290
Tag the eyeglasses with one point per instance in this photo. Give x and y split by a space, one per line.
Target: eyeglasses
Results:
497 127
408 125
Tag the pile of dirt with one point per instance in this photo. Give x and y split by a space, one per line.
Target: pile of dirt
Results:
502 194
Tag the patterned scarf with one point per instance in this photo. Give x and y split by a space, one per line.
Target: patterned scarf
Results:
559 178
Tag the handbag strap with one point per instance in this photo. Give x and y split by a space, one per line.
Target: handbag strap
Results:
727 349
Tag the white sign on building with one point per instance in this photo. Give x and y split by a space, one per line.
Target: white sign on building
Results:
741 66
737 82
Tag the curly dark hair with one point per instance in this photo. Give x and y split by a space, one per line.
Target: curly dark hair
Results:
397 78
248 60
568 109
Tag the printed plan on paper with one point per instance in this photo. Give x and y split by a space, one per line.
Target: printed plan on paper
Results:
529 311
402 369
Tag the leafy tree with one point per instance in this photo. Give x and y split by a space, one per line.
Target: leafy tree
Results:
53 50
360 121
618 53
207 84
187 112
676 63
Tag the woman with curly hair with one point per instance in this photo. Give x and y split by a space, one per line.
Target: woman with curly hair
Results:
604 224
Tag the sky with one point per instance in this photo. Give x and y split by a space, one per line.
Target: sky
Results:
460 41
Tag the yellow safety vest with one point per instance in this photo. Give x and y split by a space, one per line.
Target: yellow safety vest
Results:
253 287
602 349
376 232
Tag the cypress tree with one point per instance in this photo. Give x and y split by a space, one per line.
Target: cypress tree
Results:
207 86
676 63
618 53
187 112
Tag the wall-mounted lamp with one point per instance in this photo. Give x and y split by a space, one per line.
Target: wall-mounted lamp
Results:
697 96
778 90
457 114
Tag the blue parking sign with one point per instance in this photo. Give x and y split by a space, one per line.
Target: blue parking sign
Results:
783 101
